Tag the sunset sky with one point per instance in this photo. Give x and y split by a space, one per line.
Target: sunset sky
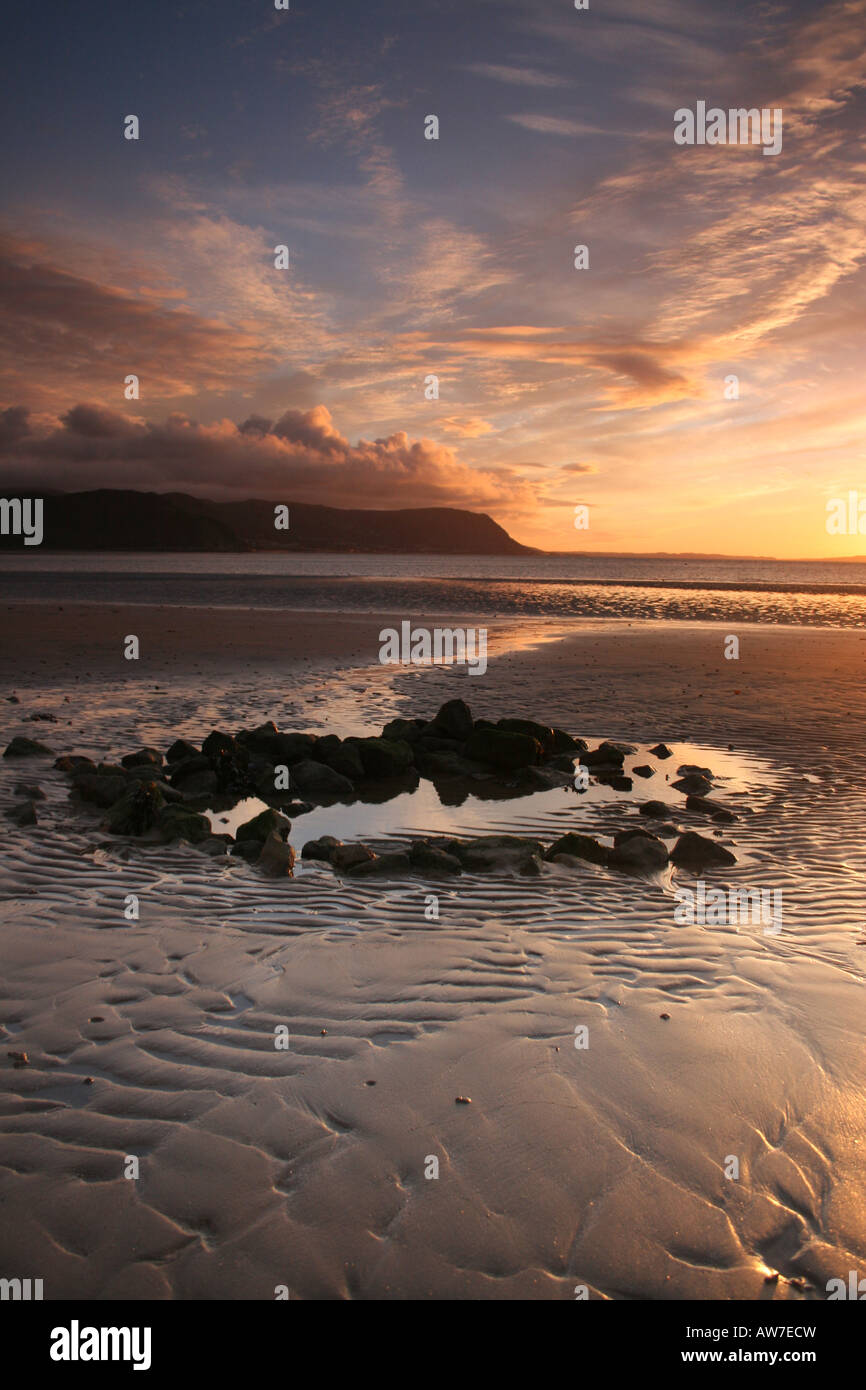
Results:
411 257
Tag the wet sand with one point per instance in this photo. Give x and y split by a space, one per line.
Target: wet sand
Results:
602 1167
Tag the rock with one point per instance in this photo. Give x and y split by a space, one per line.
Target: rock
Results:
643 771
23 813
29 790
262 739
708 807
40 717
383 757
499 748
615 780
565 743
179 823
144 757
322 848
137 810
579 847
693 851
404 730
563 762
73 762
438 766
218 743
453 720
217 845
180 750
607 755
654 808
661 750
145 772
277 857
431 743
293 748
264 824
500 852
342 756
101 790
26 748
318 781
542 734
639 851
395 863
246 849
692 770
427 859
345 857
196 762
199 784
694 784
543 778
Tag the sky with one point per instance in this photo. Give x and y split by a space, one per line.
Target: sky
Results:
606 387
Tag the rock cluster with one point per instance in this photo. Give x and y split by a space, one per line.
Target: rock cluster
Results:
161 796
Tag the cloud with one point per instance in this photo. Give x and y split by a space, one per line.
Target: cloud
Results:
301 457
516 77
555 125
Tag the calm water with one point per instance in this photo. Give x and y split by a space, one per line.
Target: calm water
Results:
815 593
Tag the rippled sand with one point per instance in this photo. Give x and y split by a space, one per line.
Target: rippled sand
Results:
602 1166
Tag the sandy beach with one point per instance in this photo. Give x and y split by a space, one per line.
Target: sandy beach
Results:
601 1166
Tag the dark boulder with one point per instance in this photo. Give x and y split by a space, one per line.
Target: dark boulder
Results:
643 771
607 755
149 757
382 864
542 734
319 782
453 720
137 811
293 748
277 858
322 848
179 823
579 847
342 756
694 784
264 824
383 757
187 767
180 750
693 851
23 813
565 743
246 849
512 853
217 743
639 851
654 808
406 730
499 748
26 748
427 859
73 762
345 857
102 791
661 750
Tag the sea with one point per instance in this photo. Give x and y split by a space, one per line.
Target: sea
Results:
794 592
